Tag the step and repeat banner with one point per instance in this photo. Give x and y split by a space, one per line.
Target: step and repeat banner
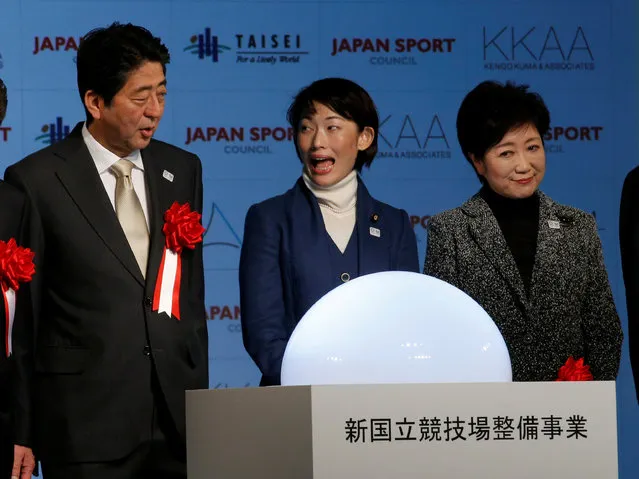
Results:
235 67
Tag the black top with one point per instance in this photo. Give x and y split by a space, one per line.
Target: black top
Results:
518 220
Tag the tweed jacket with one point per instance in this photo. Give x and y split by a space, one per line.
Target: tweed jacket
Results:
569 310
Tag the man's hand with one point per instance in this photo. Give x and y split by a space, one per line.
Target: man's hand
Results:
23 462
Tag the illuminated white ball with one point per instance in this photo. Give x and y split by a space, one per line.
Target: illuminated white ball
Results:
395 327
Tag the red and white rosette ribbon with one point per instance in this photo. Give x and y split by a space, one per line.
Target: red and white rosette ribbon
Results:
16 266
182 229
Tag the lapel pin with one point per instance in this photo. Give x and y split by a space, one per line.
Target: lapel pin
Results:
566 221
554 224
374 218
167 175
375 232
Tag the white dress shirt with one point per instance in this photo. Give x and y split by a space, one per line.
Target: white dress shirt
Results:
104 160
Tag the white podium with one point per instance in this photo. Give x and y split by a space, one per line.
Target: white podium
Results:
480 431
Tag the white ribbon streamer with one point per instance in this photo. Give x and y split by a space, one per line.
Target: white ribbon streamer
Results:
10 311
168 282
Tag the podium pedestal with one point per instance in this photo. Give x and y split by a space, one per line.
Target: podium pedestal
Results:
481 430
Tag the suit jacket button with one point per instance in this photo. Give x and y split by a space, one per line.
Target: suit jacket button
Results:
148 302
345 277
147 351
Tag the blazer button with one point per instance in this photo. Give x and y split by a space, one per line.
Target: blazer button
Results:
147 351
148 302
345 277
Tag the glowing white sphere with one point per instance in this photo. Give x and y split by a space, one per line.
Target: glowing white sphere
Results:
395 327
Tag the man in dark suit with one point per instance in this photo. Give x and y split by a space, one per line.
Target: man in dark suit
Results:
12 214
629 243
103 372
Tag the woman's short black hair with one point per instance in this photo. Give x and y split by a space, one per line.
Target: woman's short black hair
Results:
491 110
344 97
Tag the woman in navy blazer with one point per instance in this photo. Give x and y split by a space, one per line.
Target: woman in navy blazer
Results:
325 230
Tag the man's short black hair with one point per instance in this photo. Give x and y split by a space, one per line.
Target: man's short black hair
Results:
106 57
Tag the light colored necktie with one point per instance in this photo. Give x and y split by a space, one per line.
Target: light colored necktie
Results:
130 214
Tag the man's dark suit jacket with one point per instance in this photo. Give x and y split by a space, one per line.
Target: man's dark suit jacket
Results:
12 206
84 363
629 243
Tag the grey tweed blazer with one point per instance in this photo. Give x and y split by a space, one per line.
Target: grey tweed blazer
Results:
569 310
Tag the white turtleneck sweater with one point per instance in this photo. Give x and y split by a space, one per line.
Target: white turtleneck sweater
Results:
337 204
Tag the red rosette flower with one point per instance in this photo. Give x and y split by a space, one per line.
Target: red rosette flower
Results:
182 227
574 370
16 265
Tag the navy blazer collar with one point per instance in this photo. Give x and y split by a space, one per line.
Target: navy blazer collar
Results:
307 227
370 226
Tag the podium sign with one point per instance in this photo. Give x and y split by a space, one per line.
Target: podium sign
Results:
481 430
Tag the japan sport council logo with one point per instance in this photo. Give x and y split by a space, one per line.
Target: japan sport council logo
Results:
528 48
562 136
46 44
257 140
393 51
405 136
53 132
226 315
250 48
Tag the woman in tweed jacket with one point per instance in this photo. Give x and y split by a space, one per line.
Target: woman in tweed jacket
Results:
534 265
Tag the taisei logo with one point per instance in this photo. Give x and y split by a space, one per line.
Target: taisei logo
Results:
206 45
250 48
53 132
